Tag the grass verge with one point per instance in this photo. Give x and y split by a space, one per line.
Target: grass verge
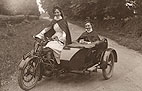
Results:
15 41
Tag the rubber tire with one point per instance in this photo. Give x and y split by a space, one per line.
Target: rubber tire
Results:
109 75
20 79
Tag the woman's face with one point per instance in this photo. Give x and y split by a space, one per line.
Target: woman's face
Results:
88 27
57 13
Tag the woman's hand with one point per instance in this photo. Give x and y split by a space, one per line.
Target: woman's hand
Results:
55 38
82 41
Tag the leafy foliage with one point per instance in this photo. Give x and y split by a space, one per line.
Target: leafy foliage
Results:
80 9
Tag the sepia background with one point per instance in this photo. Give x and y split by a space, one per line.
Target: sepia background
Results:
119 20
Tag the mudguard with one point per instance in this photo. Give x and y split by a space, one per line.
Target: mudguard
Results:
24 62
107 53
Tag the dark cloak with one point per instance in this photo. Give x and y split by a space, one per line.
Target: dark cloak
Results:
89 37
64 26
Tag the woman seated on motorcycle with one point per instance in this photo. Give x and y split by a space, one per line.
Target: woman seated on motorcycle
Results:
57 30
90 35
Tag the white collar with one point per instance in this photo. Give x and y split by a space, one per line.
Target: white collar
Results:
89 31
59 18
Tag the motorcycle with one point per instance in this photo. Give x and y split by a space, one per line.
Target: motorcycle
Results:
74 58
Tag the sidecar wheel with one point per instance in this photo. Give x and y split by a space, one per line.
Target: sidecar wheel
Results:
28 77
108 71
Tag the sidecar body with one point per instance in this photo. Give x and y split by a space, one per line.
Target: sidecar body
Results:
82 56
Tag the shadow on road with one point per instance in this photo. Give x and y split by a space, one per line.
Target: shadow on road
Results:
73 79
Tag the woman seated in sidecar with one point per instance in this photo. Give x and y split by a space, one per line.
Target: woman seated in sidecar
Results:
85 51
90 35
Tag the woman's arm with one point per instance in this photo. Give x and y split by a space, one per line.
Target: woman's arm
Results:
41 34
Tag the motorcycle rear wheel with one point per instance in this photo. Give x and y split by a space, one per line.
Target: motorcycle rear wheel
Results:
108 71
31 70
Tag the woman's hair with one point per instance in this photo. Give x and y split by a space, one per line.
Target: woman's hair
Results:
88 20
59 8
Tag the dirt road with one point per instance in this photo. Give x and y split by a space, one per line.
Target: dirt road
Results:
127 74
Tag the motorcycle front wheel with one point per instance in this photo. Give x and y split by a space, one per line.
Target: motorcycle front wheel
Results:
29 75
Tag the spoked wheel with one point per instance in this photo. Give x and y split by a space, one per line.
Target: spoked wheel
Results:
108 71
29 75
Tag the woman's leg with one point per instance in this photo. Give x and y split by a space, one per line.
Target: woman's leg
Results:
48 51
57 55
57 48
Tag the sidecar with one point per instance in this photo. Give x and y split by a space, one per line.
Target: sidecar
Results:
75 58
83 57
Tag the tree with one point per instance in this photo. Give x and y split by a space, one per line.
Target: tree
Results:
3 9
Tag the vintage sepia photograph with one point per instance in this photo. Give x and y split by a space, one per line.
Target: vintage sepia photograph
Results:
70 45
